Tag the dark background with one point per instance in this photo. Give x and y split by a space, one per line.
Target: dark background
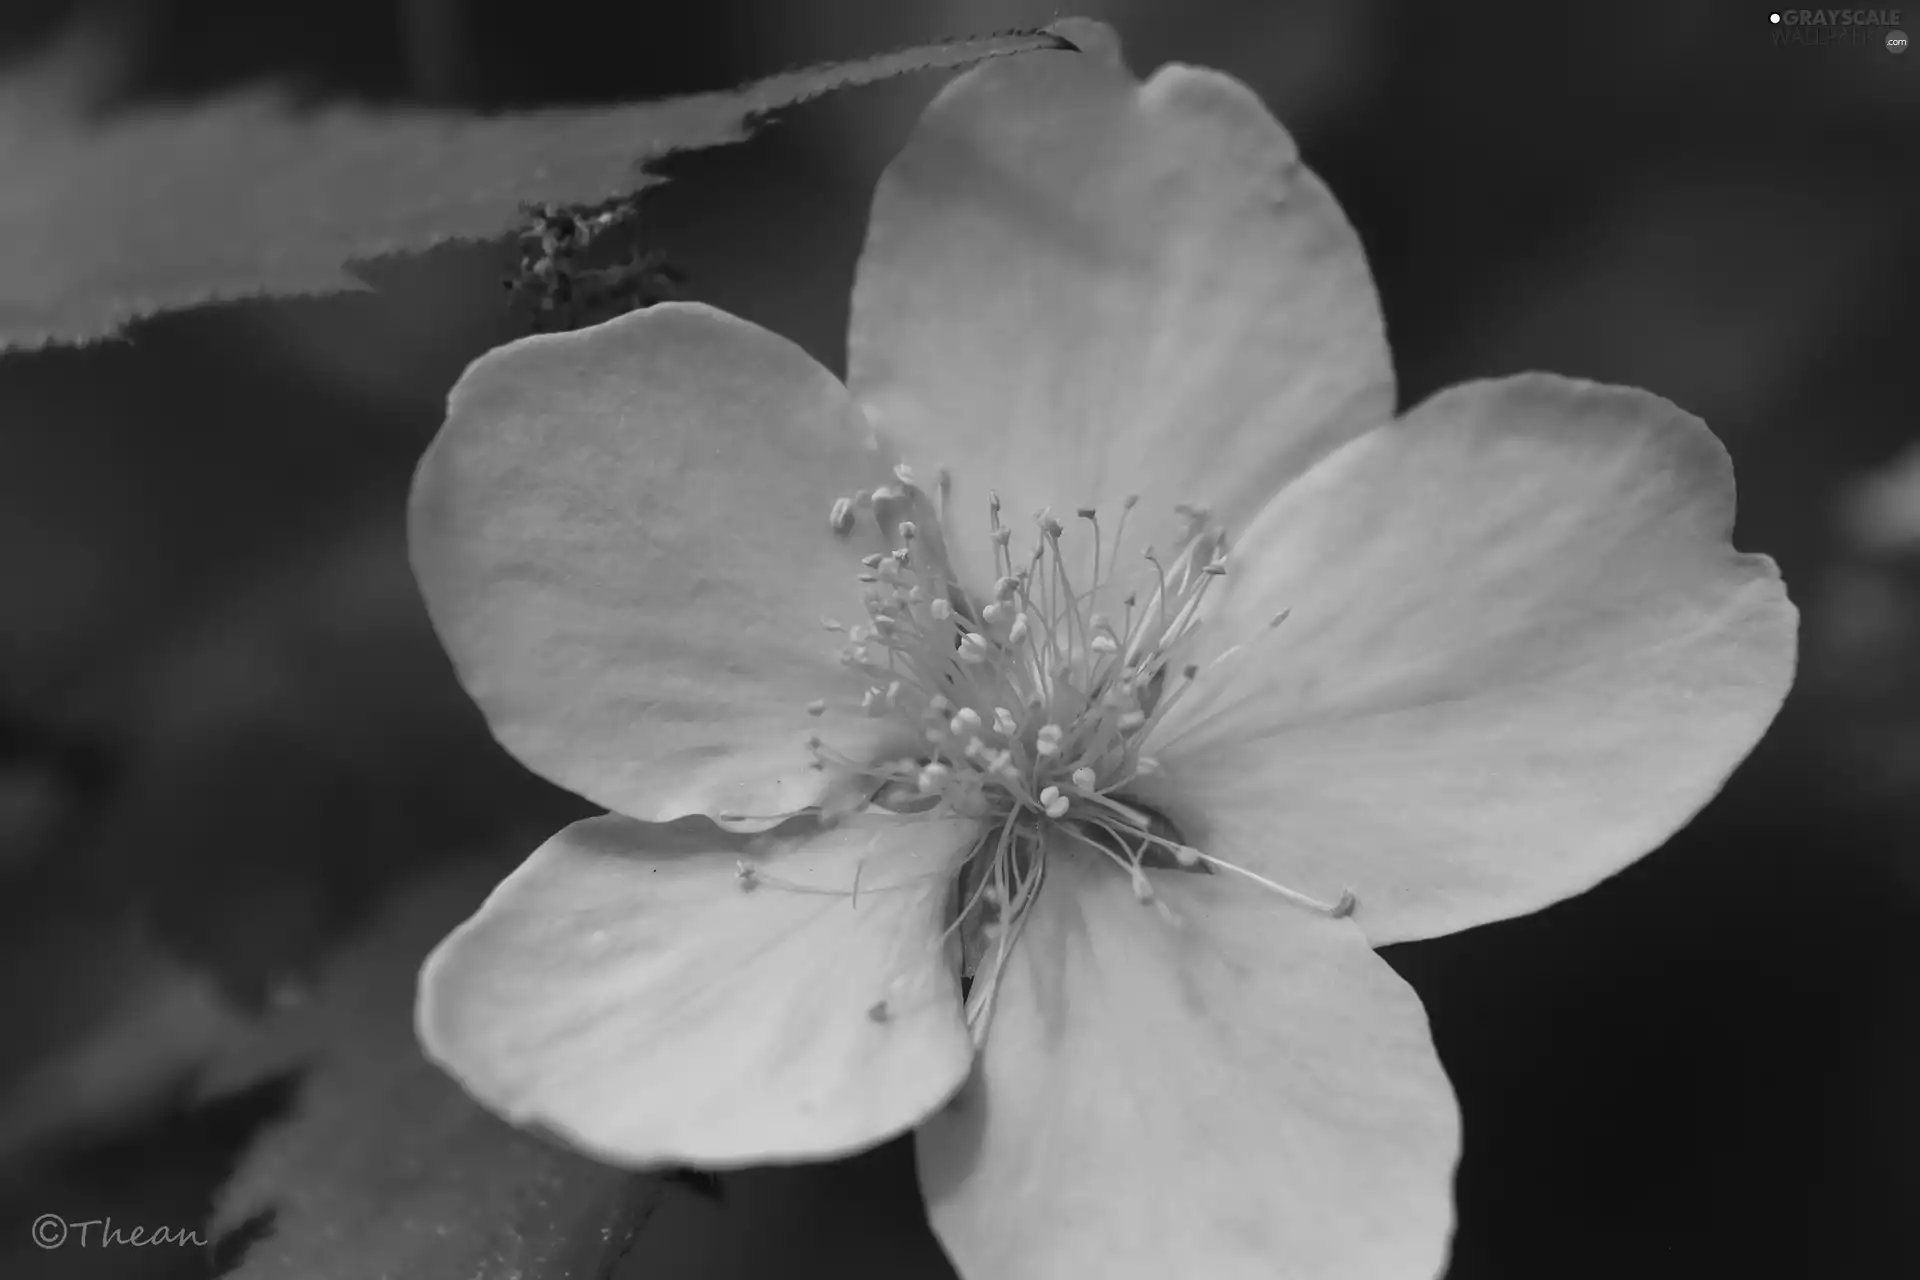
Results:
226 733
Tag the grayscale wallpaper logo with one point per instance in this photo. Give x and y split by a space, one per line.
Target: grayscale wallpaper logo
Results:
1826 28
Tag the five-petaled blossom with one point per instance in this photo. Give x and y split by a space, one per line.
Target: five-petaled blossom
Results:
1027 741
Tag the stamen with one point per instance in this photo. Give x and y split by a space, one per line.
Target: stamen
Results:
1032 705
1340 909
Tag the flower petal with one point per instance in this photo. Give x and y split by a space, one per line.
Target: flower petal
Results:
627 989
1521 653
1076 287
1245 1092
622 537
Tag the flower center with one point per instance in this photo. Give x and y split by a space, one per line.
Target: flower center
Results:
1033 704
1030 702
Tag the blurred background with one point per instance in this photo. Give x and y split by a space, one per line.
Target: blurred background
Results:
227 736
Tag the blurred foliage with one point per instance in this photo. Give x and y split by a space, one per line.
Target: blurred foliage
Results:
227 735
107 220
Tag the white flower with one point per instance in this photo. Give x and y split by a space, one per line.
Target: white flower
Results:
1461 664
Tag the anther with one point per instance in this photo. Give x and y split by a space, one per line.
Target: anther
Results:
1085 513
907 530
1103 644
1053 802
1017 632
744 875
817 707
941 610
840 519
831 624
1003 722
1146 766
878 1011
1132 719
1084 778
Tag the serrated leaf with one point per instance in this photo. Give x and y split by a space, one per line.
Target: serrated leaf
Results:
385 1168
102 224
